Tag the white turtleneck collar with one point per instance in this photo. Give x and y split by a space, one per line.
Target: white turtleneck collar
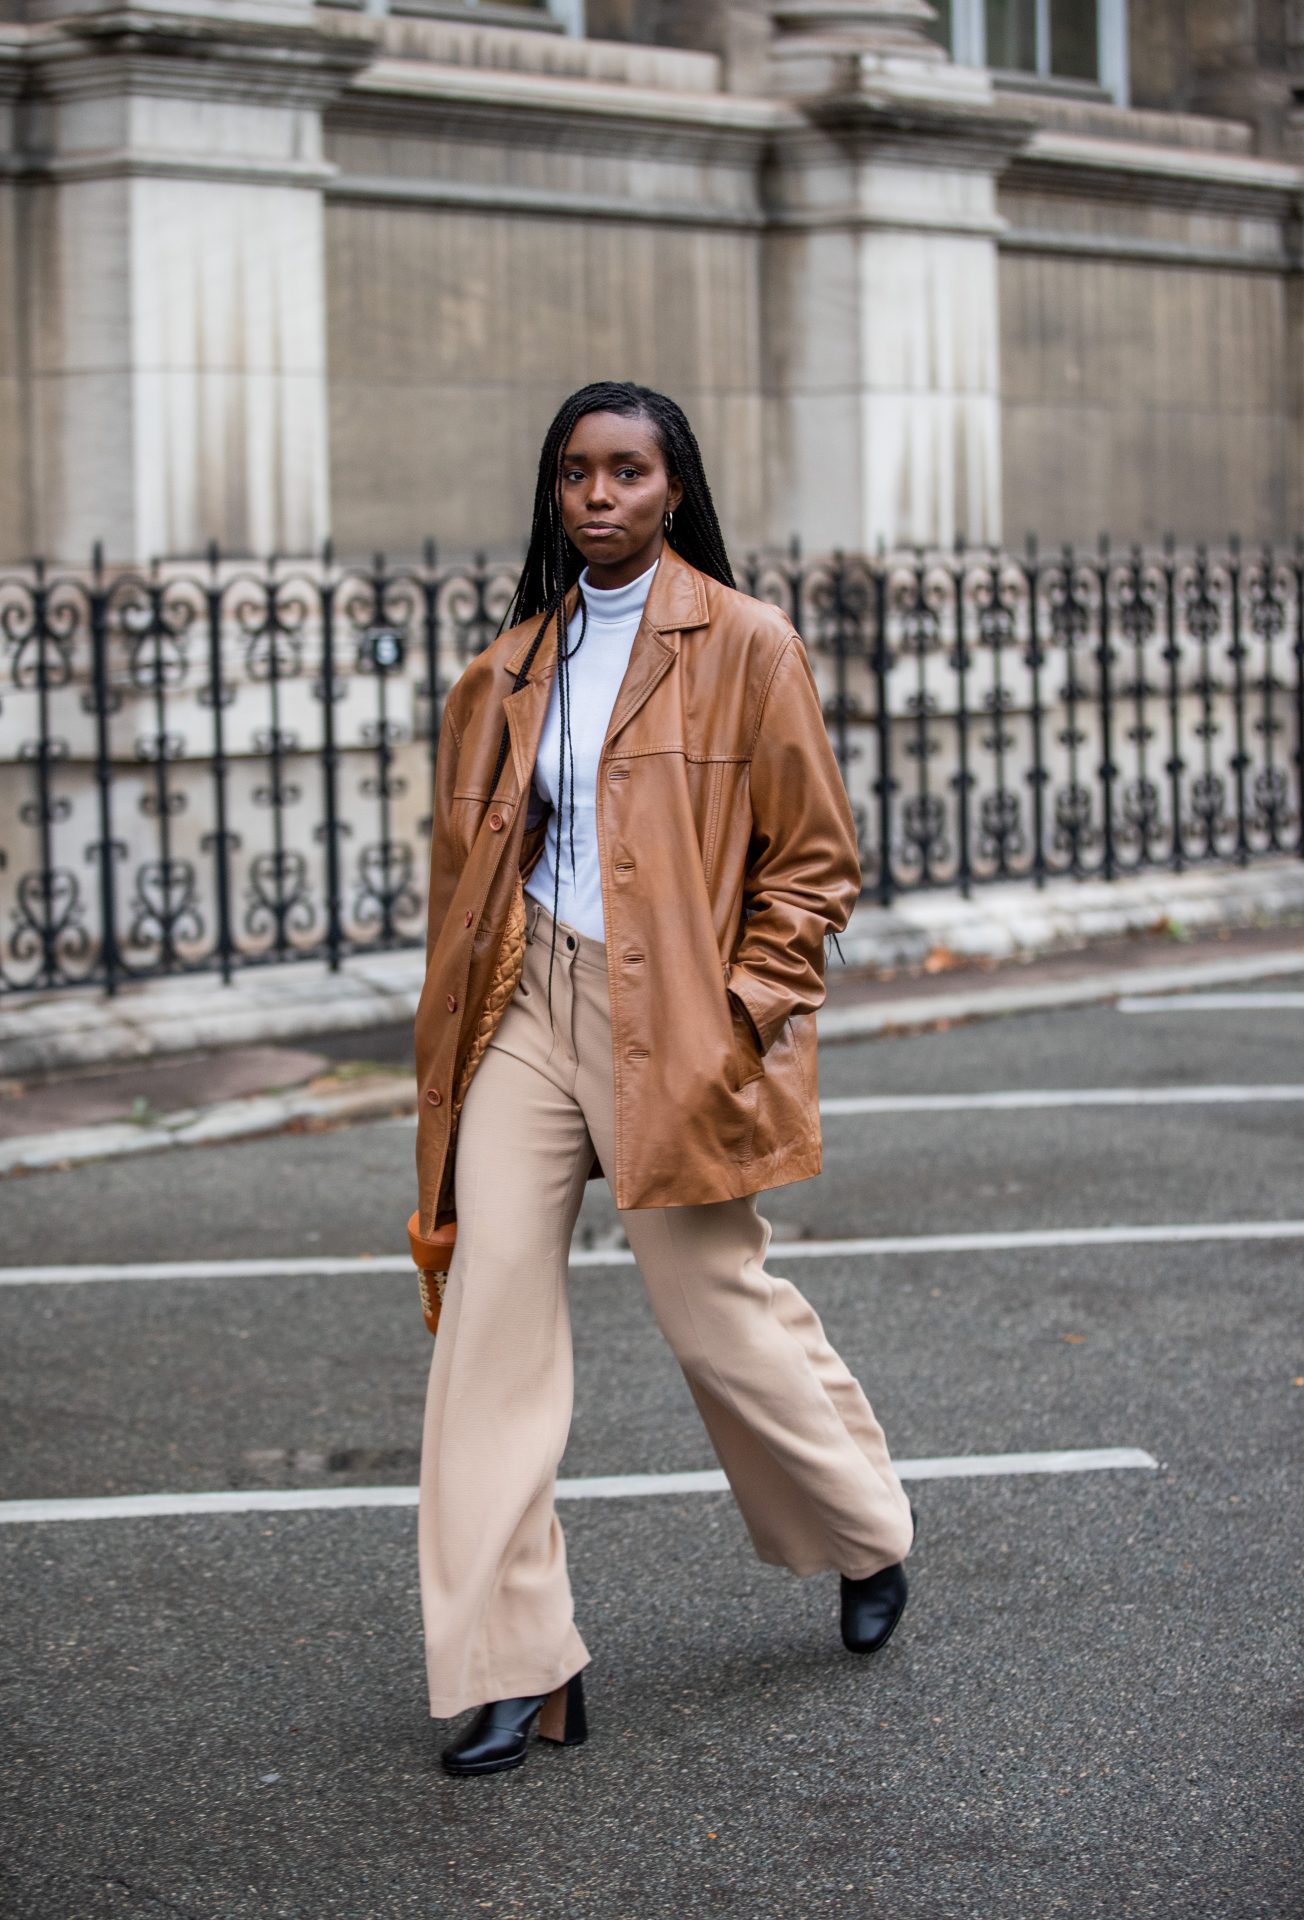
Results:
612 606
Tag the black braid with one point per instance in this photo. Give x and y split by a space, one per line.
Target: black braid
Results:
553 563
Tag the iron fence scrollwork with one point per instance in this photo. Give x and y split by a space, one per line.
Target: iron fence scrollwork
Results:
225 765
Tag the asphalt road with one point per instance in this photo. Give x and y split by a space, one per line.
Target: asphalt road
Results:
1092 1708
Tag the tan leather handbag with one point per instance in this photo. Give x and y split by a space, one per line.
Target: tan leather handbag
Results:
433 1254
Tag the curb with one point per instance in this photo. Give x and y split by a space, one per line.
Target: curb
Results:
393 1096
79 1028
1091 989
244 1119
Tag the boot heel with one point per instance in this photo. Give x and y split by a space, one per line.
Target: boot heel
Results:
563 1718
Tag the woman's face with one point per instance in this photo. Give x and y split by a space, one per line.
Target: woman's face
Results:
614 490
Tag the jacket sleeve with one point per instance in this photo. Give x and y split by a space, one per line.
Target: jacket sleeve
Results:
803 870
444 872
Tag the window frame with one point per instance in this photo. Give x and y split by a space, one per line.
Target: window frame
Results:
969 47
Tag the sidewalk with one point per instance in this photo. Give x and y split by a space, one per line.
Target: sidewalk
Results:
190 1062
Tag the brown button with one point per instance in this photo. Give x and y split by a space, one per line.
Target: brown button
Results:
452 1003
467 917
496 822
434 1097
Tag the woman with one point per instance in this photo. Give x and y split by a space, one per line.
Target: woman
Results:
645 745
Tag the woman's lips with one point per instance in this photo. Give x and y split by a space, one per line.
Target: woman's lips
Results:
601 528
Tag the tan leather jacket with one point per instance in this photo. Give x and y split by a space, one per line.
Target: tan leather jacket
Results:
727 850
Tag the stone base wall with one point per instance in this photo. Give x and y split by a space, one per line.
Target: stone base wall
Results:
1149 332
307 269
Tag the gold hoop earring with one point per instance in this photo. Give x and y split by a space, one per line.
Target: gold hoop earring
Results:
668 522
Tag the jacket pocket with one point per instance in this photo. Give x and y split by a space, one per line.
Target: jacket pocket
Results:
749 1062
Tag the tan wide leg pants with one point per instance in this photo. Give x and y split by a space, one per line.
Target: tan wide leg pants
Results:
805 1457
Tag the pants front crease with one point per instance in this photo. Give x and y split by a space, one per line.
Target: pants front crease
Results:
805 1457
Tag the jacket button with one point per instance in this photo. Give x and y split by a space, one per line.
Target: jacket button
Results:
496 822
434 1097
452 1003
467 917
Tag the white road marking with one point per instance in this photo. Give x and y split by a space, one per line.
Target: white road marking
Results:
1213 1003
1027 1240
1019 996
144 1506
1035 1099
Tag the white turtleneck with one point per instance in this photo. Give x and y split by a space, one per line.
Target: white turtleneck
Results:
596 672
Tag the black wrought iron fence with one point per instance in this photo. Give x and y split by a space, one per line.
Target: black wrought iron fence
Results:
220 765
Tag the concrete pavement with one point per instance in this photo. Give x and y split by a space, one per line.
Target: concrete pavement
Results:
1091 1708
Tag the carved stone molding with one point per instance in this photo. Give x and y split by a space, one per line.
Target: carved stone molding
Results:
856 26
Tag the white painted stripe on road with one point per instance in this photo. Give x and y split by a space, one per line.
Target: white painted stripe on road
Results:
146 1506
1028 1240
1213 1003
1036 1099
964 1466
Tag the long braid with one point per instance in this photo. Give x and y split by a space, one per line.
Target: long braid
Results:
553 563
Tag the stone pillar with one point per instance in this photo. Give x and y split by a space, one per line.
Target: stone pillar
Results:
881 281
173 273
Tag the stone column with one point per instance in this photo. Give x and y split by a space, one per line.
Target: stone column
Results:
173 273
881 281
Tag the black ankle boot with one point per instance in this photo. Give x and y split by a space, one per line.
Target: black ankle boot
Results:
872 1607
496 1738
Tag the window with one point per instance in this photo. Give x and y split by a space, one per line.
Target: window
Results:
1048 40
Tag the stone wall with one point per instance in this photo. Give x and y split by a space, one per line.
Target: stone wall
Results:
1240 58
1149 332
282 269
494 245
456 335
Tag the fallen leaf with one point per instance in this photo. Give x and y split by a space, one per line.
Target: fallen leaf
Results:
943 960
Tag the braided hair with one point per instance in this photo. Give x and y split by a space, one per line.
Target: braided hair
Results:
553 562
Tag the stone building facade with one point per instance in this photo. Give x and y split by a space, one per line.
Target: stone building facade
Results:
272 270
